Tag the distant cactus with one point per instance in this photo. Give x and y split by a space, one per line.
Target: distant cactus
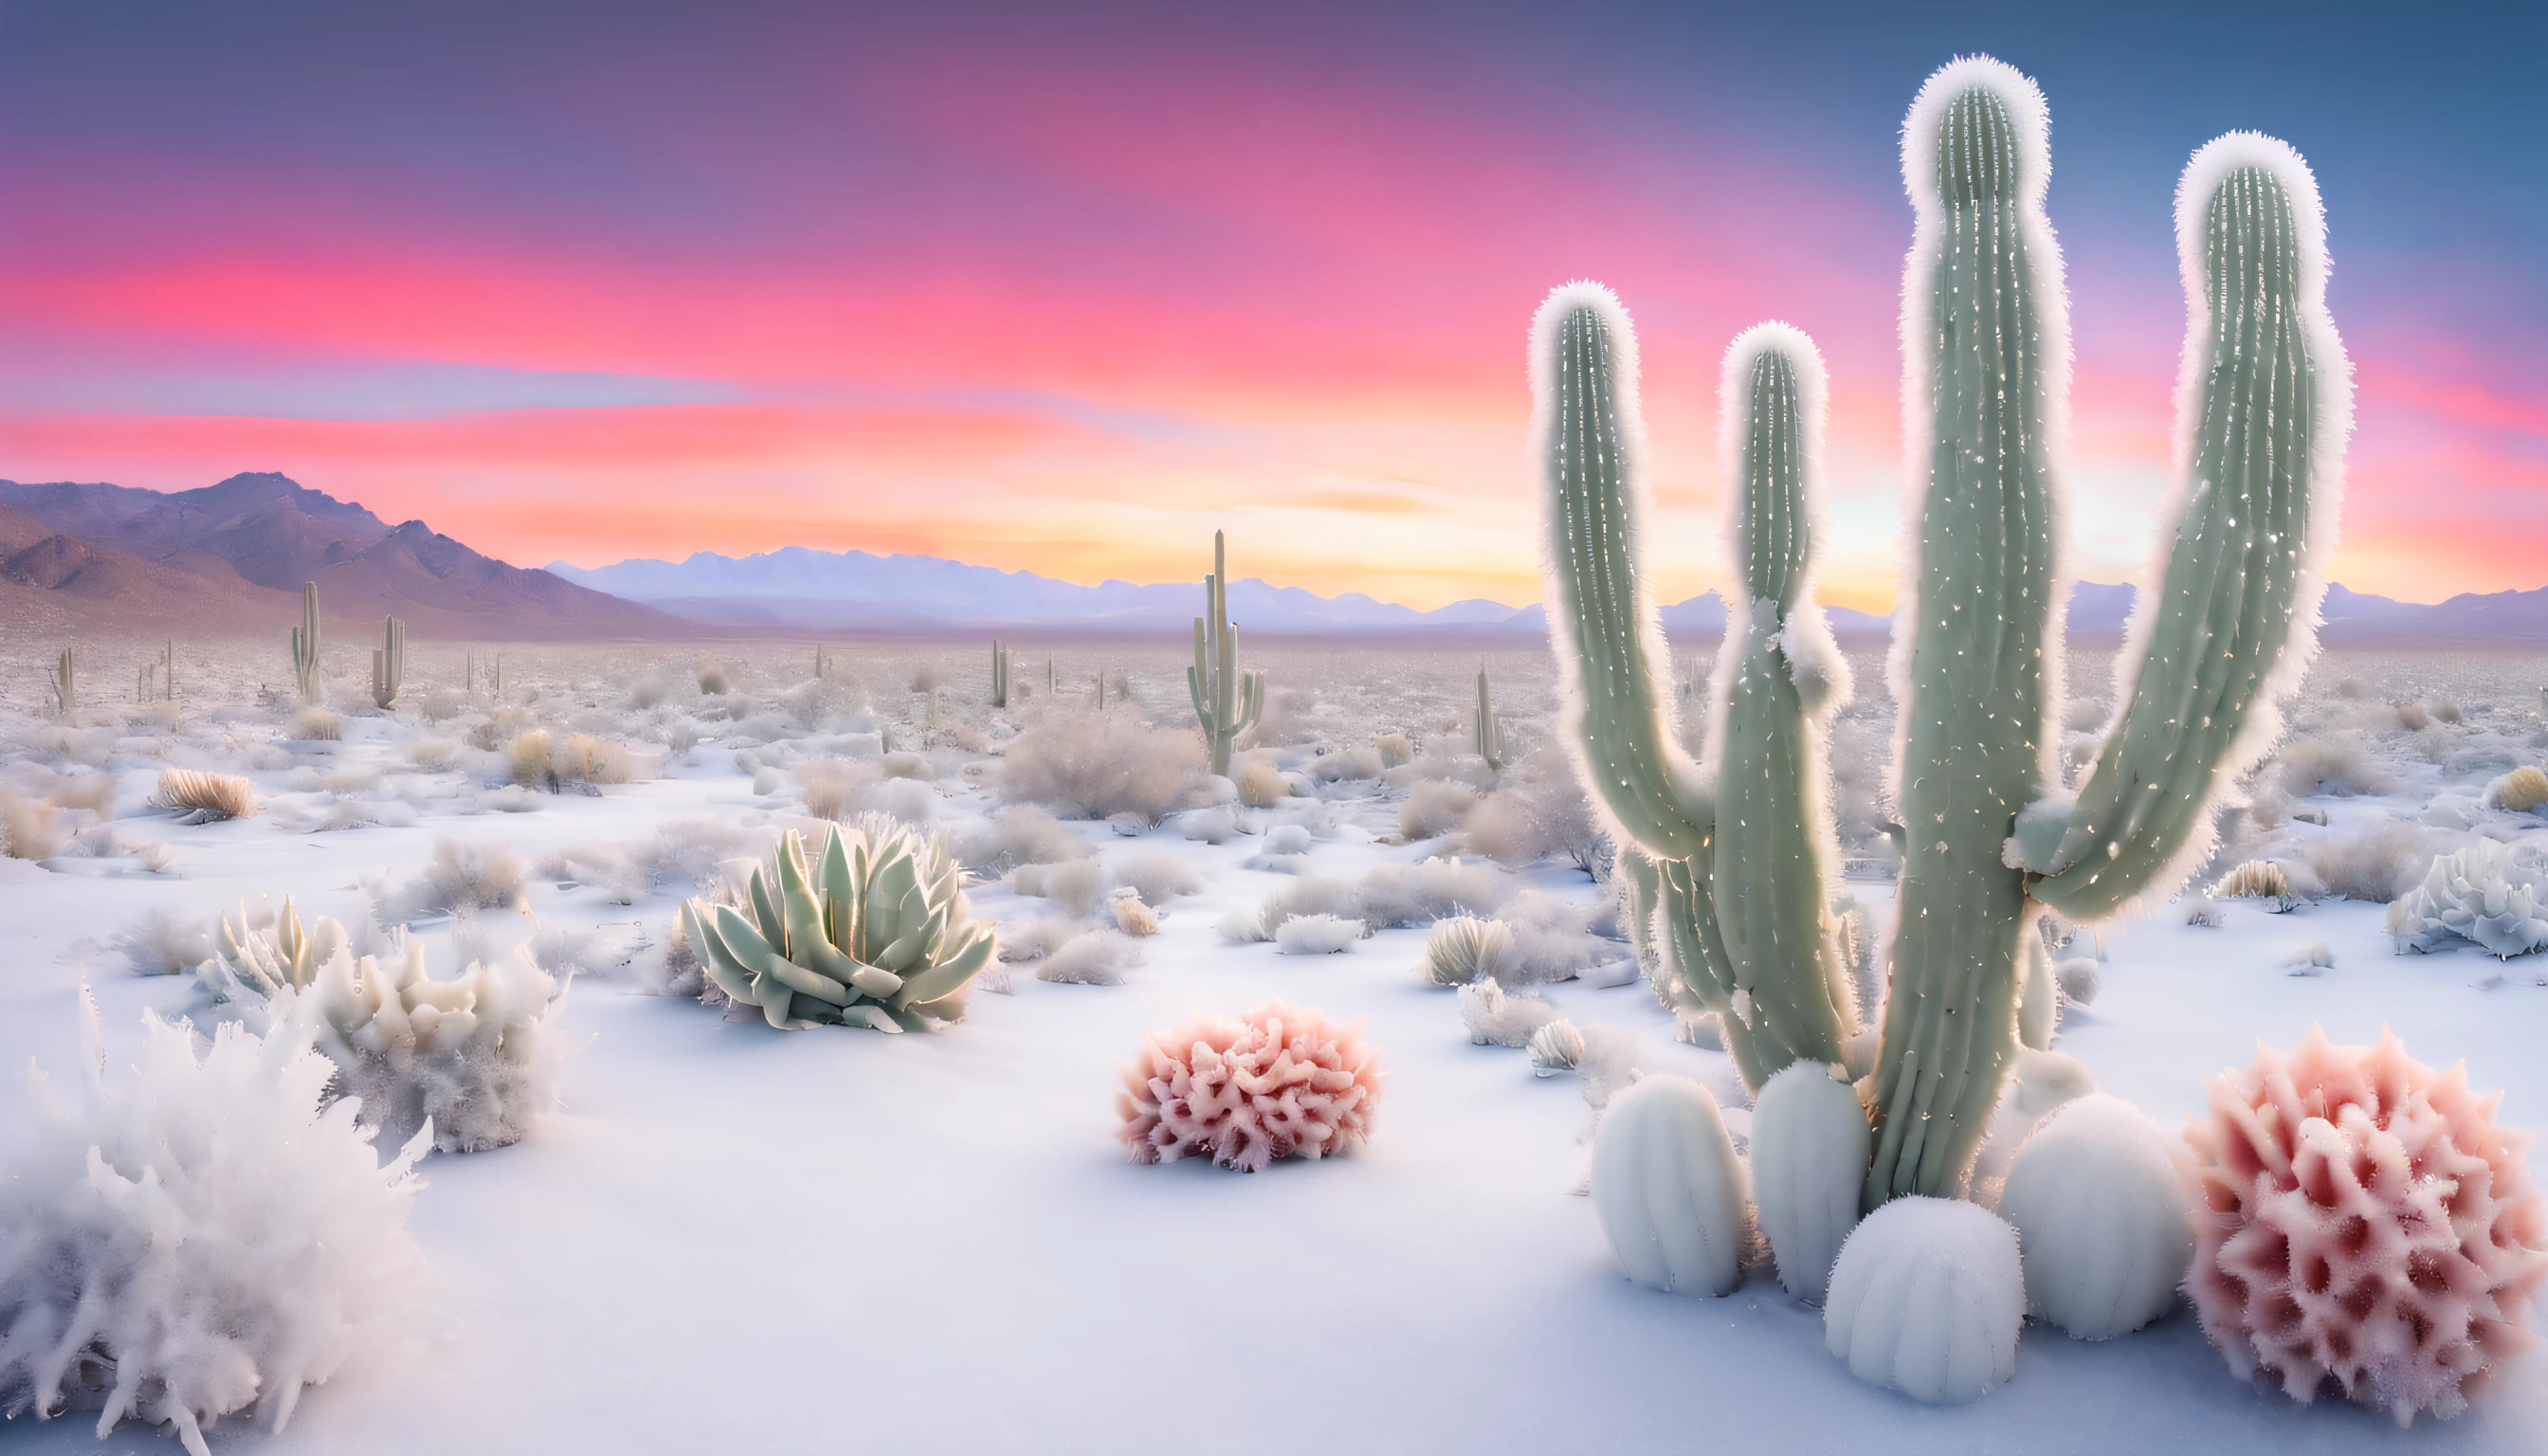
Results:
2219 639
1490 732
305 646
999 675
65 684
1226 702
388 663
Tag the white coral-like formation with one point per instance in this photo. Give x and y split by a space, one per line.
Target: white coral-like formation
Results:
2487 892
2364 1226
205 1234
1927 1297
2100 1216
1280 1082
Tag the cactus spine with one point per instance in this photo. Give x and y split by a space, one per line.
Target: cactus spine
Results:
304 645
1490 729
1226 701
388 663
65 684
2221 635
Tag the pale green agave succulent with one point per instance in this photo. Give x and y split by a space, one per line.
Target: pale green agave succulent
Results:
871 930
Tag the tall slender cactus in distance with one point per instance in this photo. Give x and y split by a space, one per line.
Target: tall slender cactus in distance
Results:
65 684
1226 702
305 646
388 663
999 675
2222 629
1490 731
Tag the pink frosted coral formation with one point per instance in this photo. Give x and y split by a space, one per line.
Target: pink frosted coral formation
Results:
1281 1082
2363 1225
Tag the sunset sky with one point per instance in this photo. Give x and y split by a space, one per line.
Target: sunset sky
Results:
1067 293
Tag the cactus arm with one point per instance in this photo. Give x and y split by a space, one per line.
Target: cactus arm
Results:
1774 849
2230 624
1985 349
1685 916
1588 437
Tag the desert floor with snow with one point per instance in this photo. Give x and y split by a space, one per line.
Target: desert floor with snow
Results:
734 1238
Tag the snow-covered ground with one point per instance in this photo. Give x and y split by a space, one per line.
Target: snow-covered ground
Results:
734 1238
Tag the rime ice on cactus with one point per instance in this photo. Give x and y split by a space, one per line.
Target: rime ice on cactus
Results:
1282 1081
874 931
2363 1225
1672 1195
305 646
1226 702
1739 877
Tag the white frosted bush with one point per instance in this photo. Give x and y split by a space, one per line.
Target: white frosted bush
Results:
2102 1219
1212 826
461 877
2487 892
1081 764
1308 895
1552 940
1073 886
1097 957
1288 838
1460 949
1023 835
1494 1018
1435 808
1555 1047
1346 766
1156 878
1260 783
1669 1189
1810 1145
1926 1297
164 942
1132 916
1537 812
1392 895
1316 935
2318 766
2377 863
198 1236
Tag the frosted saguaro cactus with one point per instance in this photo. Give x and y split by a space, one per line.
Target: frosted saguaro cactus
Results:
1226 701
305 646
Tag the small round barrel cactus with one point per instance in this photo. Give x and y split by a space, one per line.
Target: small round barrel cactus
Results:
873 931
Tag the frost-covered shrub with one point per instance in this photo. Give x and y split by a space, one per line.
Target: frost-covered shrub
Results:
164 942
1280 1082
1261 785
1926 1297
432 755
2489 892
2101 1215
1551 939
581 757
199 1235
1393 751
1131 917
2375 864
2364 1228
824 786
1097 957
1671 1194
198 797
2522 790
1392 895
1555 1047
1086 765
1460 949
1435 808
1212 826
2318 766
461 877
1073 886
316 725
2257 880
1316 935
1345 766
1156 878
1495 1019
1023 835
26 826
1810 1145
1538 812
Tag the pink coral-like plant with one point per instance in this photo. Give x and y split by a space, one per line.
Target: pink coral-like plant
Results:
1281 1082
2363 1224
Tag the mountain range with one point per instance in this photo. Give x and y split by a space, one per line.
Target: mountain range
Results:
235 555
75 557
798 589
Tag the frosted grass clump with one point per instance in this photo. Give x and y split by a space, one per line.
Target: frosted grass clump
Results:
1671 1194
1316 935
2490 893
1021 835
1097 957
461 877
1461 949
2375 864
2102 1219
1156 878
1074 886
164 942
2257 880
201 1236
1080 764
1282 1081
2524 790
1435 808
1495 1019
1131 917
1926 1297
1555 1047
1810 1142
198 797
2317 765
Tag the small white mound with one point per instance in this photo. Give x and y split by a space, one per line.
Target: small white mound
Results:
1810 1145
1670 1190
1097 958
2102 1219
1926 1297
1316 935
198 1236
2079 979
